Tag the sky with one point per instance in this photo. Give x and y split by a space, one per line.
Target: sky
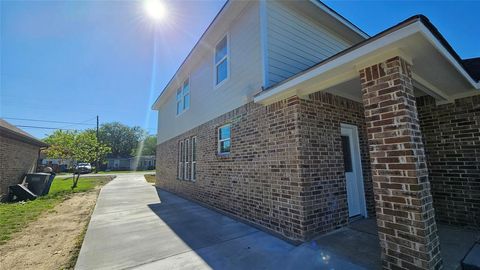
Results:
69 61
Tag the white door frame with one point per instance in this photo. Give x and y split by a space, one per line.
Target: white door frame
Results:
357 163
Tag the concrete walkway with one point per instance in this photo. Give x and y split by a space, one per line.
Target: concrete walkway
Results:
134 225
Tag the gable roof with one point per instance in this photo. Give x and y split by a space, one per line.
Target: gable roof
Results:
229 7
330 11
11 131
467 69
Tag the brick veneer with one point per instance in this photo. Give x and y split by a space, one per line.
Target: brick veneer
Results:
451 135
405 214
16 159
322 159
260 180
285 170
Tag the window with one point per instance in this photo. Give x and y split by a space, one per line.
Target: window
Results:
221 61
180 160
186 95
179 101
183 97
187 161
224 139
194 159
347 155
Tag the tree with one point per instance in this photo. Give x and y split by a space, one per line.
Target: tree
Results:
87 149
149 146
61 145
74 145
123 140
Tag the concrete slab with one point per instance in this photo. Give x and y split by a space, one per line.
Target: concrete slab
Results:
359 247
472 260
359 243
135 225
455 242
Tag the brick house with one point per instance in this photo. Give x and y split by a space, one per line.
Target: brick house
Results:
18 156
289 117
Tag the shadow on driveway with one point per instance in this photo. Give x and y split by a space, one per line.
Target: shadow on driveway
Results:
136 226
219 242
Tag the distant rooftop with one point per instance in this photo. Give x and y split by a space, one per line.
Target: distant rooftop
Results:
11 131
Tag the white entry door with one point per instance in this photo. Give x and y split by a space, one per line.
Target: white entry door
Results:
353 171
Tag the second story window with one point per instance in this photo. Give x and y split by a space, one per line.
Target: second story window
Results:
221 61
183 97
186 95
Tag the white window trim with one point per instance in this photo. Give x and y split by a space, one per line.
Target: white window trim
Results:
184 94
219 141
186 154
192 175
215 63
180 160
182 97
178 101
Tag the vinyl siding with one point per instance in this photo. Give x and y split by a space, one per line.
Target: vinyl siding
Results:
296 42
208 101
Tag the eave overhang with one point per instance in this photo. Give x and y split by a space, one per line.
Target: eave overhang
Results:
437 69
8 133
224 16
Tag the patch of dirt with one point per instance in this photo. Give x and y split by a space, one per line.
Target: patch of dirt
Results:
54 239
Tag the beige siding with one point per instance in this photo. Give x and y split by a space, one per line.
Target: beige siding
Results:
296 41
207 101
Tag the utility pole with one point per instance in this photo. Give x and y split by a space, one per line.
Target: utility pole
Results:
98 141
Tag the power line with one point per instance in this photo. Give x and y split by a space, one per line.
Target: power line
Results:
50 121
41 127
81 123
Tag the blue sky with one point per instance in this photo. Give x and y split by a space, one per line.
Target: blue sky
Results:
68 61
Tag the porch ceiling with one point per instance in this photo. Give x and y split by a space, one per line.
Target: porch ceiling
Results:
436 69
352 89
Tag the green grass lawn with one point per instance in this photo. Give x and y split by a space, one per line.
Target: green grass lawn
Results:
15 216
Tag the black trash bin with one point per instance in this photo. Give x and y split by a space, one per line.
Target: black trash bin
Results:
18 193
36 182
46 189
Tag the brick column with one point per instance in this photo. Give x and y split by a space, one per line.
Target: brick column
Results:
404 210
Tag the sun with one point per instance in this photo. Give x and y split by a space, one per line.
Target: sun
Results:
155 9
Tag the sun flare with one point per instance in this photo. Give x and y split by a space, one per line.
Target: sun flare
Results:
155 9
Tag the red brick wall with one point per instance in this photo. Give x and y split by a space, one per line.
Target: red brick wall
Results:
16 159
405 214
278 175
259 181
451 134
322 160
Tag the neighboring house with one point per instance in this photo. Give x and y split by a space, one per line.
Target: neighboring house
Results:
131 163
19 153
288 116
58 165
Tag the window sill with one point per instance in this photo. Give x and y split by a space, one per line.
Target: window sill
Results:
220 84
182 112
223 155
187 180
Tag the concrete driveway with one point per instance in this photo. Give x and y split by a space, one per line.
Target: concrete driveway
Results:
134 225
